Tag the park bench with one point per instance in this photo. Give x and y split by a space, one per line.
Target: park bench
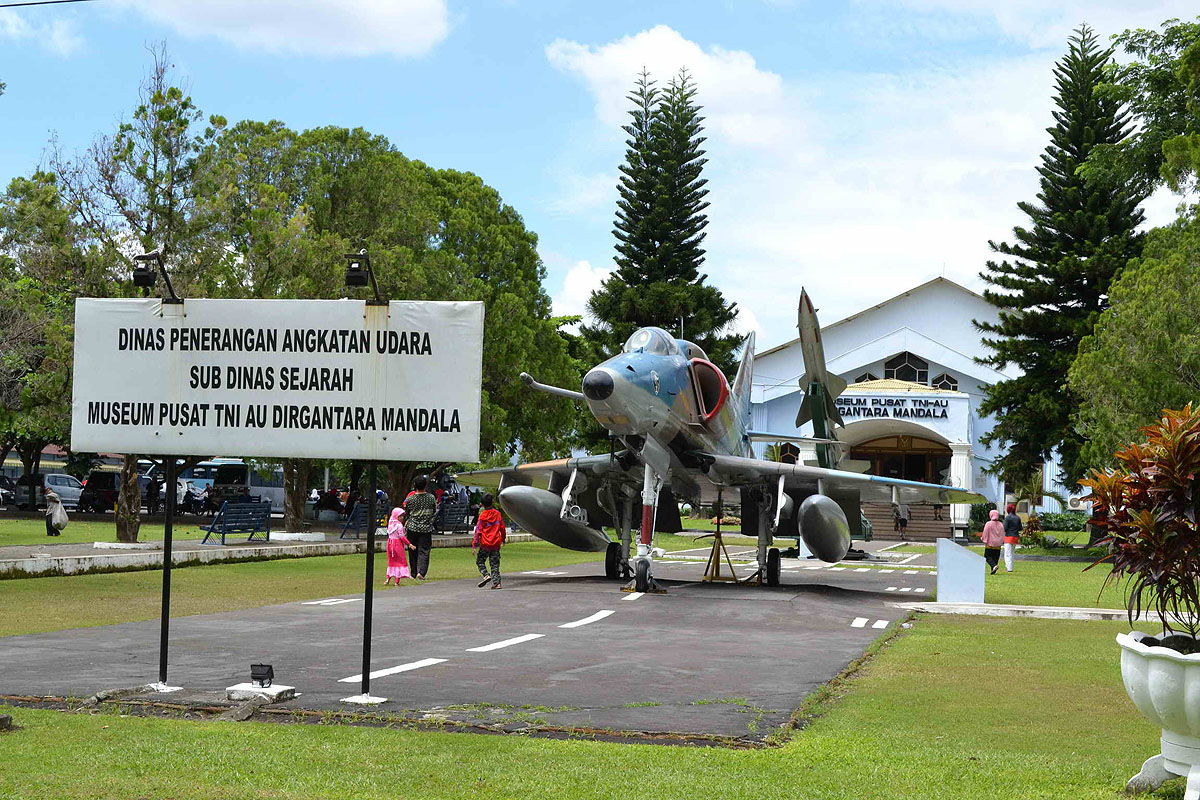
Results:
356 524
250 517
454 517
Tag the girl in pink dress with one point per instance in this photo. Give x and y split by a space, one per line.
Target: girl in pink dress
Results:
397 547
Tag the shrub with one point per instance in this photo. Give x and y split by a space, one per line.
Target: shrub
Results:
1147 510
979 515
1073 521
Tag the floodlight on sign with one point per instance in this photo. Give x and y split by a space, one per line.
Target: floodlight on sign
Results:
359 273
144 277
144 274
358 270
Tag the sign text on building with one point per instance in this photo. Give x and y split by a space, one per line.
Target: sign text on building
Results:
896 407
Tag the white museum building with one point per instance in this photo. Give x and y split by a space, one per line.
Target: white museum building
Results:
912 405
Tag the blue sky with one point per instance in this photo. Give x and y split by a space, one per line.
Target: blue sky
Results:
856 148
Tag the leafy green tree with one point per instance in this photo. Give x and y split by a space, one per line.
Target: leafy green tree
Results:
659 229
44 266
293 203
1161 87
140 189
1145 353
1054 281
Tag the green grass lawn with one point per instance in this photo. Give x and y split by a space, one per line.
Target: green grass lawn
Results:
1052 583
33 532
77 601
954 708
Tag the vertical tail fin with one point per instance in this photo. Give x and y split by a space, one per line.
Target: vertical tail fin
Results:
745 376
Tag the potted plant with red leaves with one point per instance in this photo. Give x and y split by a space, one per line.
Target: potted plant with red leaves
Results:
1147 509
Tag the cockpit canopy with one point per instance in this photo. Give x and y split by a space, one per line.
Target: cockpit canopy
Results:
692 350
655 341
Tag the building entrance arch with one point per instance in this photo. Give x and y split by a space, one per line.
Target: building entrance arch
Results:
906 456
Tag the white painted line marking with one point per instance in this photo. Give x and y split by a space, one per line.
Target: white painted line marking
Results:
529 637
886 571
880 623
863 569
379 673
906 589
541 572
911 572
837 569
599 615
934 572
890 589
633 596
918 591
332 601
910 558
814 568
859 622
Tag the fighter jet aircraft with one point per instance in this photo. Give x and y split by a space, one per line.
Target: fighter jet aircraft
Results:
686 435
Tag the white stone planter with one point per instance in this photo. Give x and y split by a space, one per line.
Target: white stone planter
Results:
1165 687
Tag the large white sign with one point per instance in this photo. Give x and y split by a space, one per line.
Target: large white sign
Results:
282 378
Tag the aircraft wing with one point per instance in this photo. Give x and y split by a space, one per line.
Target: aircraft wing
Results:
737 471
542 473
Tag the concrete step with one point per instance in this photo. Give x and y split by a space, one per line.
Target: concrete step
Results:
922 527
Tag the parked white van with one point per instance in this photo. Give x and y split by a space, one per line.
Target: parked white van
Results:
233 478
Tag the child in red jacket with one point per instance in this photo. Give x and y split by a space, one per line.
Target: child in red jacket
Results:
489 538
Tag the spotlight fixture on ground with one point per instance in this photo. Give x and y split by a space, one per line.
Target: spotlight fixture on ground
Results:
262 674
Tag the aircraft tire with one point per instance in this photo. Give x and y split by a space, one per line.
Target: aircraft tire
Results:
612 561
773 567
641 575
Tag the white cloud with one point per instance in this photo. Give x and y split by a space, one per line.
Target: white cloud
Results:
580 280
309 27
584 193
1043 24
856 186
59 36
745 105
747 323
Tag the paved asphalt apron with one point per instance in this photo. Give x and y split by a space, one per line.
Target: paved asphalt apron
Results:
556 647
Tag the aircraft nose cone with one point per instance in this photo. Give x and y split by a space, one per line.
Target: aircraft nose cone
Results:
597 385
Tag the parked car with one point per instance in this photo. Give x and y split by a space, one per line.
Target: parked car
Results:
100 490
67 488
8 495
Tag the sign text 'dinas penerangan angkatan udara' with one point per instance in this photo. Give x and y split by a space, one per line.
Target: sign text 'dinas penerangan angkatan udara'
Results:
298 378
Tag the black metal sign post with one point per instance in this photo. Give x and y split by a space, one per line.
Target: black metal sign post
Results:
368 591
165 623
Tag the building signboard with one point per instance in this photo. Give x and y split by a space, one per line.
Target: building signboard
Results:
279 378
894 407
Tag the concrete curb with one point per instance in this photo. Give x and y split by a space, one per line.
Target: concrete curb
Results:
188 553
1035 612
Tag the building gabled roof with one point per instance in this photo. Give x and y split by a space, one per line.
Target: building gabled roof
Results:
876 307
887 385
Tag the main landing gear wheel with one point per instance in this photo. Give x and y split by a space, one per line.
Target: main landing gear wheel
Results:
773 567
641 575
612 561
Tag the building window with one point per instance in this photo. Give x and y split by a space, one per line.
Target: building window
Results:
945 381
907 367
866 376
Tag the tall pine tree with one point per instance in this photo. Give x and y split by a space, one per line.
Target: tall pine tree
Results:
1054 283
660 230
